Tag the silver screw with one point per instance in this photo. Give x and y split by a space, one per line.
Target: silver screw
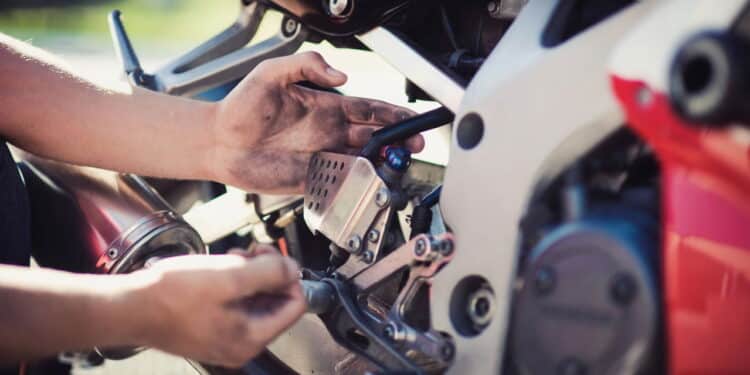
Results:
337 7
373 235
393 332
382 197
368 256
354 244
112 253
420 247
493 7
290 26
446 247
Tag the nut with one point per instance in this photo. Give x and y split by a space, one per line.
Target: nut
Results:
383 197
373 235
354 244
420 247
368 256
338 7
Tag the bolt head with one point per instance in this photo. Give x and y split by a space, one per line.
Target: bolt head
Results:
290 26
368 256
112 253
446 247
389 332
373 235
382 197
447 351
420 247
337 7
544 281
492 6
354 244
623 289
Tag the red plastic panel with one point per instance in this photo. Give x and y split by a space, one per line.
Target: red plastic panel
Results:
706 234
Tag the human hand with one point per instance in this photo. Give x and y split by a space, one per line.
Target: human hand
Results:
268 127
218 309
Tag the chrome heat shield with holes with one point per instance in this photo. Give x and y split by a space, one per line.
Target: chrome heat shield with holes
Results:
346 201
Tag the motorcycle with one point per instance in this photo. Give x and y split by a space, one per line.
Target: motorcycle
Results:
591 219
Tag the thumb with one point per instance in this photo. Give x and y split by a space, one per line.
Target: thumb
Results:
306 66
265 273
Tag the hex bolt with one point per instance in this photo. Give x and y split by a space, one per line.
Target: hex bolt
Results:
544 281
447 351
493 7
420 247
373 235
390 332
446 247
623 289
337 7
290 26
112 253
368 256
382 197
354 244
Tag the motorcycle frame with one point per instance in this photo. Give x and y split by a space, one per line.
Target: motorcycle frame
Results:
543 108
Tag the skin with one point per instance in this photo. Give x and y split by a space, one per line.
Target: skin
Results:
218 309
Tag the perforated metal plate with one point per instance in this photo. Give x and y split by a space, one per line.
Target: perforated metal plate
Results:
340 203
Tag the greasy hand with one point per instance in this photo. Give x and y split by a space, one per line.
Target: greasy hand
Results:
219 309
268 127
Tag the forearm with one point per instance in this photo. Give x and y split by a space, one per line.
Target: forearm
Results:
52 113
46 312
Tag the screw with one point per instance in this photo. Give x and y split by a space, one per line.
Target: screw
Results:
493 7
446 247
420 247
290 26
368 256
623 289
382 197
447 351
544 280
354 244
373 235
112 253
337 7
390 332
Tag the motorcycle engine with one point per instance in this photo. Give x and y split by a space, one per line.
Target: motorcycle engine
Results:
587 300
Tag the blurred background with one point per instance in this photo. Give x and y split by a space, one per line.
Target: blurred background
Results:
77 32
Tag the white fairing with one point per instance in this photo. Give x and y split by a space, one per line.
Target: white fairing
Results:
542 109
646 52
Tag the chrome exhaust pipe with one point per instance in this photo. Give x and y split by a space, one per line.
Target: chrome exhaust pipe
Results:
88 220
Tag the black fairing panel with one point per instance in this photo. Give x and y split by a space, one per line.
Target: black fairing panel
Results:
363 15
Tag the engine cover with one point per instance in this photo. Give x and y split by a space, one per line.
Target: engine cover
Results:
589 301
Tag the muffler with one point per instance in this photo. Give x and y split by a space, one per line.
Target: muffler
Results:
88 220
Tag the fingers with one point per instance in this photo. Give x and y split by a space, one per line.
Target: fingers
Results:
263 273
373 112
306 66
255 250
359 135
266 325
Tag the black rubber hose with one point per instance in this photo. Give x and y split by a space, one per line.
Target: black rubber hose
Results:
405 129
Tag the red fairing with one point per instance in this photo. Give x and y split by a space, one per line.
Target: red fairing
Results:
706 234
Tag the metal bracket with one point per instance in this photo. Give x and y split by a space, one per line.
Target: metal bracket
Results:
348 202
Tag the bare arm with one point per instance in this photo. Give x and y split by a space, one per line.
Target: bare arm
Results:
260 137
50 112
190 306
